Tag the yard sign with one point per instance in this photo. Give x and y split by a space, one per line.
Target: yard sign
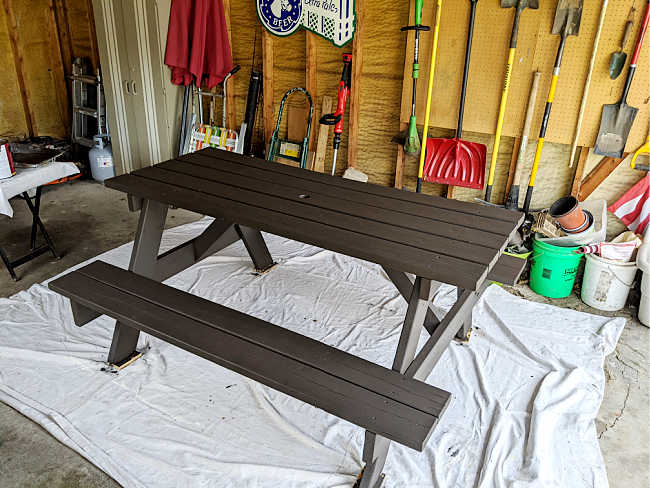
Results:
332 19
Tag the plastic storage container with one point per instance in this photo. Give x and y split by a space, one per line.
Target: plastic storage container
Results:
101 159
553 269
606 283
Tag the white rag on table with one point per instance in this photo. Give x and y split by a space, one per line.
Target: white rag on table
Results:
28 178
525 390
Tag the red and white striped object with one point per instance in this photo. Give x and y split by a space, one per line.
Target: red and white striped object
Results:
633 208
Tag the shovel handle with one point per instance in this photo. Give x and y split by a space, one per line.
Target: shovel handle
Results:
639 41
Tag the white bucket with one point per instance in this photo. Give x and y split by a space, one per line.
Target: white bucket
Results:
606 283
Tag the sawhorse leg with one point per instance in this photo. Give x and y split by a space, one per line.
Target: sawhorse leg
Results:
37 224
35 209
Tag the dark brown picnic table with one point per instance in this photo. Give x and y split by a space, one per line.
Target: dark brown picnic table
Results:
420 241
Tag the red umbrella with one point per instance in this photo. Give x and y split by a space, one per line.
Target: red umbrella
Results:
197 43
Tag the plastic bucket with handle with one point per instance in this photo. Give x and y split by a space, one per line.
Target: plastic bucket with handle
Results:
553 269
607 283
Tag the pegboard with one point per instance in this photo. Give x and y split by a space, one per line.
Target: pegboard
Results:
536 50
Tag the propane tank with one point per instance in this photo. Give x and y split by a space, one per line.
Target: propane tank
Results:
643 262
101 159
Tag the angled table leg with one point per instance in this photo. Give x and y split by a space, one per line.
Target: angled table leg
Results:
466 329
404 284
375 449
143 262
256 248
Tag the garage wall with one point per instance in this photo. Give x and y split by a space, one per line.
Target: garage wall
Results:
38 40
386 51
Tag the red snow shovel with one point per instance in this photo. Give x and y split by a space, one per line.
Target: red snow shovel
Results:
454 161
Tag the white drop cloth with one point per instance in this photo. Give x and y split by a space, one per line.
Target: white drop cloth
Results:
27 178
525 390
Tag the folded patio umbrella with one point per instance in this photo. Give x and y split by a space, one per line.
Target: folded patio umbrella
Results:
197 43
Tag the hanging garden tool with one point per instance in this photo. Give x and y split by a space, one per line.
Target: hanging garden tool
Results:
294 151
455 161
432 72
336 119
617 62
567 23
512 202
585 94
645 149
520 6
618 118
412 142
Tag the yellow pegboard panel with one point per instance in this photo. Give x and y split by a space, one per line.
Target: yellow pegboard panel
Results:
536 50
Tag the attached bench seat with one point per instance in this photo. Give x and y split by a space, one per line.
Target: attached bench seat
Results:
507 270
373 397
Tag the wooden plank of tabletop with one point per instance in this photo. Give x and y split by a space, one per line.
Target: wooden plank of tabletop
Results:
323 200
380 203
430 265
294 203
433 201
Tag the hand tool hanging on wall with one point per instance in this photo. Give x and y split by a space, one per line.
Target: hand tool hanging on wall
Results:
568 15
455 161
512 202
412 142
432 72
336 119
618 118
252 100
645 149
585 95
288 149
520 6
617 62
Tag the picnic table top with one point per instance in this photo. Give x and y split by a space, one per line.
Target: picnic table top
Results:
436 238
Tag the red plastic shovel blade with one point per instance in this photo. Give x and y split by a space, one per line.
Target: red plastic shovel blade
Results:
455 162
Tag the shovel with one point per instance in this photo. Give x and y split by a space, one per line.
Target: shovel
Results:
617 63
567 23
618 118
454 161
520 6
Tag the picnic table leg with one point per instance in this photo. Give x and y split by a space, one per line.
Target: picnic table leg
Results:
465 331
256 248
375 449
143 262
404 284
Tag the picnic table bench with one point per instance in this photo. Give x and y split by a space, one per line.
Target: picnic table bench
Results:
419 240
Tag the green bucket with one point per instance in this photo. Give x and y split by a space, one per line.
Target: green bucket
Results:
553 269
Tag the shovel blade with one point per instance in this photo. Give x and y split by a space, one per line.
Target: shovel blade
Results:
615 125
455 162
616 64
568 15
532 4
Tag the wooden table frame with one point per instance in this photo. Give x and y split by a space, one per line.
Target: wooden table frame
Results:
146 261
419 241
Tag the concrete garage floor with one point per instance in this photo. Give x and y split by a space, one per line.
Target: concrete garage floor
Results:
78 219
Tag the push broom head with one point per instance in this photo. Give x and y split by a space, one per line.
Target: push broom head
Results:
455 162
